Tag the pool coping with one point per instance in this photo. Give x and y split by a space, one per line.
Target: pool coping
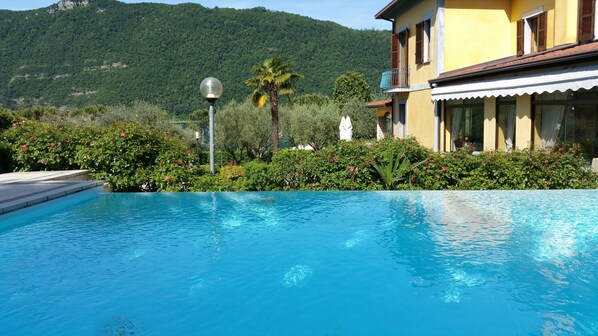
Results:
23 189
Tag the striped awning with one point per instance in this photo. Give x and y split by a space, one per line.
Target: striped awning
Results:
575 78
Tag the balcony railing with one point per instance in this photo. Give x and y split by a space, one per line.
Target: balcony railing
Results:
395 78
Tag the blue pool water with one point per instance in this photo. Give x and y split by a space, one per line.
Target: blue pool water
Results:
303 263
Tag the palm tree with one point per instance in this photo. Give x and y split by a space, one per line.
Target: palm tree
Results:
272 77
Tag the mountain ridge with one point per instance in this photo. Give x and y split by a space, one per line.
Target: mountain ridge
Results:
108 52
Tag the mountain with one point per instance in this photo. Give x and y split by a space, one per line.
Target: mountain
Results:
83 52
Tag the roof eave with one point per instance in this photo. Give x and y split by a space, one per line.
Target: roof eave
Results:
524 66
383 13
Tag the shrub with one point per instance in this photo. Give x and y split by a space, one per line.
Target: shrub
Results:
131 157
7 118
6 154
257 177
345 166
287 169
39 146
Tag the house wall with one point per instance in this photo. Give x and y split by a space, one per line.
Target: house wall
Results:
523 122
490 123
565 23
420 117
521 8
419 74
476 32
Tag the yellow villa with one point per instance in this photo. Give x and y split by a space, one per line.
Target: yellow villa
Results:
493 74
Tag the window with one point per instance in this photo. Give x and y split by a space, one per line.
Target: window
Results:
422 41
466 118
531 34
399 58
588 30
568 118
505 116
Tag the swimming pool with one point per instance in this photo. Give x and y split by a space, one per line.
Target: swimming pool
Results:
303 263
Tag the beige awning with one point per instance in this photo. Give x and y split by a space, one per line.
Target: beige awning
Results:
585 77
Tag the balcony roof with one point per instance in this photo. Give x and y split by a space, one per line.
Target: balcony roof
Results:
391 11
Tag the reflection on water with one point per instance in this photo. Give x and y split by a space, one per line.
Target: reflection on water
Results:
467 225
362 263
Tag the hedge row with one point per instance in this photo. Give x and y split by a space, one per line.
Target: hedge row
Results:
405 165
133 157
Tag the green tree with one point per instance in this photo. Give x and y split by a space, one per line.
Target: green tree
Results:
311 99
273 77
314 125
242 129
363 119
351 85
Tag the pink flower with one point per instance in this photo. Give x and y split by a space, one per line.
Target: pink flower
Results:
413 180
42 162
335 159
313 184
351 168
443 169
323 185
24 146
15 124
426 163
122 134
52 145
161 164
31 138
166 177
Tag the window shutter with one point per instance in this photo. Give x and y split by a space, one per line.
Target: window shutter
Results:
403 62
419 43
542 31
394 51
520 37
586 20
403 44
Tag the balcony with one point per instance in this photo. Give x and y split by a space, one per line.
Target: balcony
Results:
395 79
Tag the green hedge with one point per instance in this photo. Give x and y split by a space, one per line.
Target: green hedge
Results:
133 157
351 166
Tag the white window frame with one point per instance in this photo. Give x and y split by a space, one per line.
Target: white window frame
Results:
527 33
427 37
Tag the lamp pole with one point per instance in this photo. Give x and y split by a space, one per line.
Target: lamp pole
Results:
211 90
211 112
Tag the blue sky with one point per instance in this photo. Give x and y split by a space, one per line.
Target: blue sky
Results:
354 14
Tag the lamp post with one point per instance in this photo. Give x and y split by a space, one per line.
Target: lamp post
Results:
211 90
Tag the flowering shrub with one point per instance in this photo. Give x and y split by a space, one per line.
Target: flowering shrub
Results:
287 169
132 157
40 146
520 169
345 166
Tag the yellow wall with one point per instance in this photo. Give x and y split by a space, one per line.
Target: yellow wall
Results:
523 122
420 117
381 111
565 25
419 73
476 32
490 123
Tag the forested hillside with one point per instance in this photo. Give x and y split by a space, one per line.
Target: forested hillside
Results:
108 52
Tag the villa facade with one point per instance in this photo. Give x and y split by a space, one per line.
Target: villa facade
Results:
494 74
